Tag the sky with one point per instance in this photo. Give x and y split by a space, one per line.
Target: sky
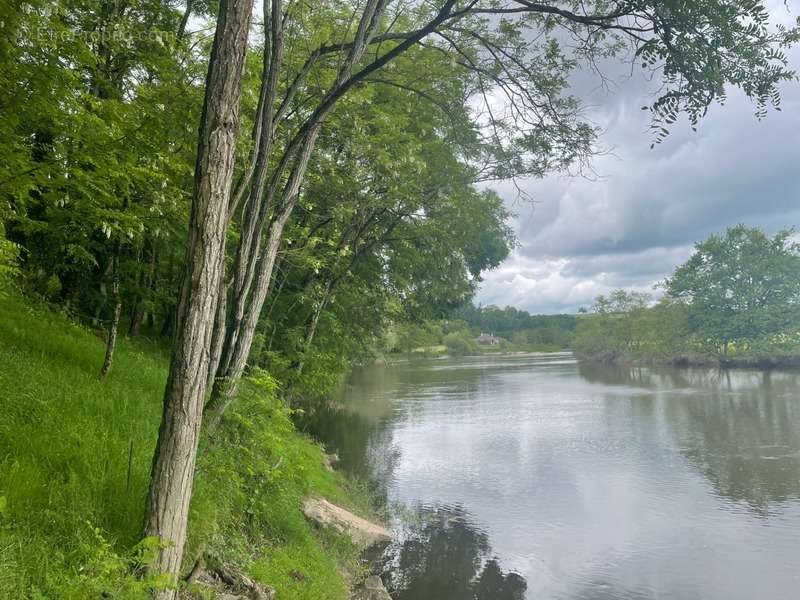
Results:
631 226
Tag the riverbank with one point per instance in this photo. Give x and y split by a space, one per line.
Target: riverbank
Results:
75 458
694 360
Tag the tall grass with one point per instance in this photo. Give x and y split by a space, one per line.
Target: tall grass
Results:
75 455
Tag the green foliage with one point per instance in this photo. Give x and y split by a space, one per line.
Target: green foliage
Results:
740 287
517 331
97 109
99 103
614 332
9 267
621 302
252 478
390 231
623 327
702 47
71 510
535 333
460 343
737 298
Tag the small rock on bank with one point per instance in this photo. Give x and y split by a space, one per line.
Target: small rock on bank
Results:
363 533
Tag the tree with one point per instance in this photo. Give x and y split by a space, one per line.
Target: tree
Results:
740 287
738 291
97 152
388 239
532 332
620 302
662 331
611 332
460 343
508 49
176 451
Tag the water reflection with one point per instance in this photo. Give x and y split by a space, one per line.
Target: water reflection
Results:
738 428
578 481
352 435
443 555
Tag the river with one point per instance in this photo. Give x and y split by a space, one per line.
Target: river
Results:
537 477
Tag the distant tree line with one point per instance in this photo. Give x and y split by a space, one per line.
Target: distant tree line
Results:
520 327
515 330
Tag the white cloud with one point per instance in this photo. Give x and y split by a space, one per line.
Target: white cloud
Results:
561 285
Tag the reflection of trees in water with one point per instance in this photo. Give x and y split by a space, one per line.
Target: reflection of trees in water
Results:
443 556
747 446
609 374
712 380
363 445
655 378
739 428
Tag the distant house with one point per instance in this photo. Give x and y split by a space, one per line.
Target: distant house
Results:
488 339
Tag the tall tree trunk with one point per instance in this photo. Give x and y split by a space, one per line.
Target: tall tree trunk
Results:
137 318
311 329
218 337
254 265
148 277
251 184
241 337
168 323
187 12
111 341
176 451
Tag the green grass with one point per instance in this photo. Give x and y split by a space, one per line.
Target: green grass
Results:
71 510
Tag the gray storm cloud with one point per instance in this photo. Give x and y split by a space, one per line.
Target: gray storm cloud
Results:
631 226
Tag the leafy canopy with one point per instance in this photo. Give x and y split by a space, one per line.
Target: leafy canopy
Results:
742 285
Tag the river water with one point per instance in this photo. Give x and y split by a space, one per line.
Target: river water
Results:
536 477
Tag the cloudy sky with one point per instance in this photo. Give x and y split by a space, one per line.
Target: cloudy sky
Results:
634 225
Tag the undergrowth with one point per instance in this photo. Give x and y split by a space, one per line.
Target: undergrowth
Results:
75 456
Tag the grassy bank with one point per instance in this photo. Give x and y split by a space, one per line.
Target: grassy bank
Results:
75 455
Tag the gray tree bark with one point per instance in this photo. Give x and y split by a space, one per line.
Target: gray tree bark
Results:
176 451
241 337
218 337
111 341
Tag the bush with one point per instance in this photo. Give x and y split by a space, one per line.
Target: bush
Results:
460 343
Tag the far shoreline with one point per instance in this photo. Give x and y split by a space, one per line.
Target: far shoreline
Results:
709 361
681 361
